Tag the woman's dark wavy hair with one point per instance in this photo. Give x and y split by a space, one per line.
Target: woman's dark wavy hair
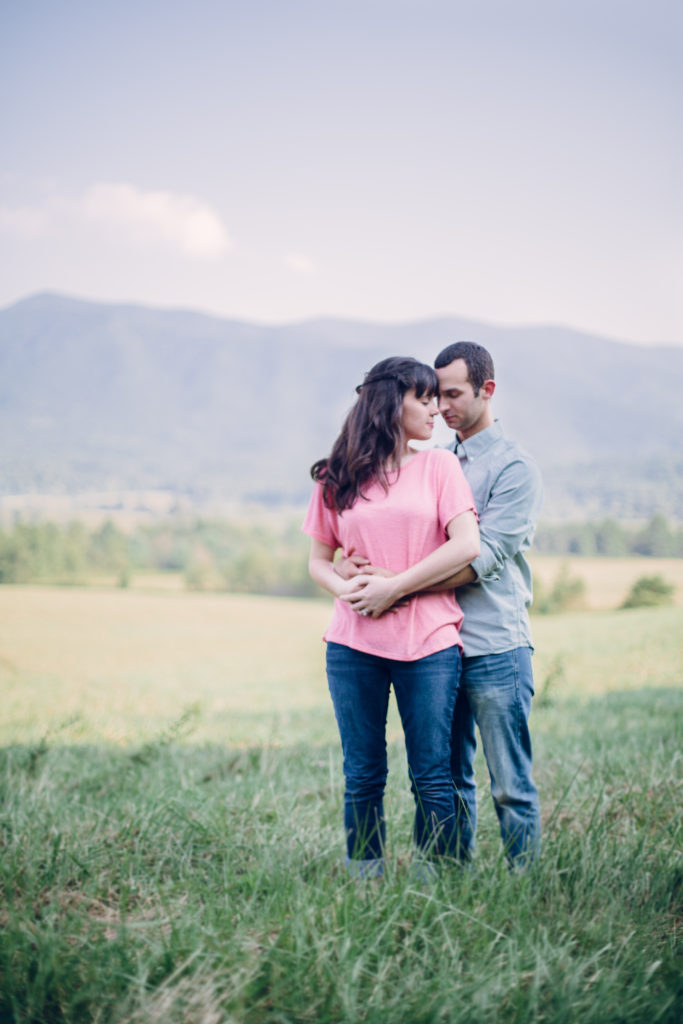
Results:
371 437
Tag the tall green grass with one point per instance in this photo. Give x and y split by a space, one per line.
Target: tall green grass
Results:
176 879
178 883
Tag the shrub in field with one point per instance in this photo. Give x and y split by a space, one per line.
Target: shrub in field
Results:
567 594
648 591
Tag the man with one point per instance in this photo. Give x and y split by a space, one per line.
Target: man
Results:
497 680
494 592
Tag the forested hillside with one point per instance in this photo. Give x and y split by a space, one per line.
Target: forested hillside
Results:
118 398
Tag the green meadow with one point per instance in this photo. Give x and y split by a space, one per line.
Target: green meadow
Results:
171 842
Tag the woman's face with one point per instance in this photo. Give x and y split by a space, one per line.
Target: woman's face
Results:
417 416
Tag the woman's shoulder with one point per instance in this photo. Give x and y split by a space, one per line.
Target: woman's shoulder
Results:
439 458
435 463
441 467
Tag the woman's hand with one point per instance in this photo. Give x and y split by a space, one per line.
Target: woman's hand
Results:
372 594
322 570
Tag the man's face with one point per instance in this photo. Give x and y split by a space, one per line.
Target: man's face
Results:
460 407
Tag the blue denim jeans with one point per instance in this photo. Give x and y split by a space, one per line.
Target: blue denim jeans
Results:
495 693
425 694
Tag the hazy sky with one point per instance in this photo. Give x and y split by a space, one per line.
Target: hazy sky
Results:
517 161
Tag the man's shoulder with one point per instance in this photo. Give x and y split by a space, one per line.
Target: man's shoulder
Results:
509 451
513 451
506 465
497 451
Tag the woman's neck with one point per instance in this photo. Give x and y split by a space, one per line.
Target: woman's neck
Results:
404 455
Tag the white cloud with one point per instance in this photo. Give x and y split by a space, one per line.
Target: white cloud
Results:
27 222
179 220
299 264
128 214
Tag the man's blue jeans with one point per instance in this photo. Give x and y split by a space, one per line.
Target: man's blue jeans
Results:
495 692
425 694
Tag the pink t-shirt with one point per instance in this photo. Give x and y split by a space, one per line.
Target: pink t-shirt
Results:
395 529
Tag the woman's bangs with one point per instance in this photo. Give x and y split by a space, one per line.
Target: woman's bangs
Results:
426 381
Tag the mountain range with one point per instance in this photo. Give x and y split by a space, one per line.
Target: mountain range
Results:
98 397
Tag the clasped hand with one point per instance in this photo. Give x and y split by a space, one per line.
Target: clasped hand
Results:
371 594
371 590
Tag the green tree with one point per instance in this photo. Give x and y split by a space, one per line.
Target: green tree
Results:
108 547
656 540
610 538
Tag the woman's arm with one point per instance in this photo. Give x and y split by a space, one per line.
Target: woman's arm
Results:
321 569
372 594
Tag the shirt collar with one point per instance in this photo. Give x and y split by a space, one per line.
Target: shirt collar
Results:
476 445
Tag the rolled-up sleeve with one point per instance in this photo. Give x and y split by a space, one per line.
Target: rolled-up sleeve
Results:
508 520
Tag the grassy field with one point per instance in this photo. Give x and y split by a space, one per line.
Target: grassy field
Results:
170 828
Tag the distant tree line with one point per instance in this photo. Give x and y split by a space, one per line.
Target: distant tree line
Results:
46 552
211 555
657 539
268 557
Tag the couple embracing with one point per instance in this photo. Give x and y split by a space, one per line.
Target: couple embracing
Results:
432 597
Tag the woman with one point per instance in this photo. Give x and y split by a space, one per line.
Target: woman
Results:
411 512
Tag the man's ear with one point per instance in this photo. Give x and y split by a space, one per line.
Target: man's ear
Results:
488 387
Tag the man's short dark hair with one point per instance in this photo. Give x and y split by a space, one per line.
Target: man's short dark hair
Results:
478 361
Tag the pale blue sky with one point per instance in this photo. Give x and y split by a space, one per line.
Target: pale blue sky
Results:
517 161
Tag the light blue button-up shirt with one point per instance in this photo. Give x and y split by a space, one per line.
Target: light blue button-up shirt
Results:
508 493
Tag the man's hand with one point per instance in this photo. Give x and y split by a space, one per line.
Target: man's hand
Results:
355 565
